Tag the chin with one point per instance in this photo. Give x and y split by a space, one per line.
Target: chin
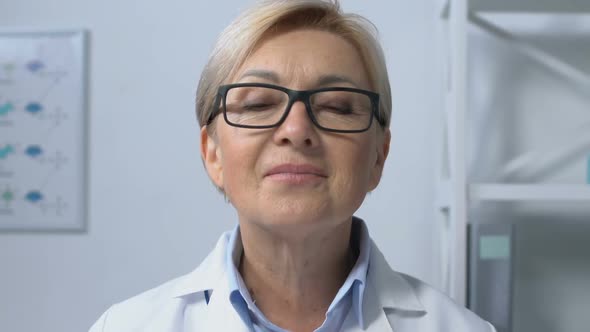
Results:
297 212
295 221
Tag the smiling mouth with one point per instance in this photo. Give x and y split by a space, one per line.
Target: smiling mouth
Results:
296 178
296 174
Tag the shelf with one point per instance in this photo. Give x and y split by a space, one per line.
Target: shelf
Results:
529 192
528 22
530 6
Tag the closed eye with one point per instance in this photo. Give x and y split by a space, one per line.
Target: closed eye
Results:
335 109
258 106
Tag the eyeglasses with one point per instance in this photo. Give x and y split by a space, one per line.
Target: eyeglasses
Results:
260 106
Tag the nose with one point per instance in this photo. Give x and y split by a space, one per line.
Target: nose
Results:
297 129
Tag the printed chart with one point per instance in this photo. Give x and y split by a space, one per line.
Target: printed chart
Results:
43 131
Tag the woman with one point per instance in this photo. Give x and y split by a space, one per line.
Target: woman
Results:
294 107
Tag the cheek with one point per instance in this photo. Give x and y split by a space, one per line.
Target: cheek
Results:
353 164
240 157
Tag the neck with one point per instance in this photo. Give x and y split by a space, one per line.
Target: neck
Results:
294 279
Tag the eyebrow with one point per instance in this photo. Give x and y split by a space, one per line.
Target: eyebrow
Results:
265 74
331 79
274 77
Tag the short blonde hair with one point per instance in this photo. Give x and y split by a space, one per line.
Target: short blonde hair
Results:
239 39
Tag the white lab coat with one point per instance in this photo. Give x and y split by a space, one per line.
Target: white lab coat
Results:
392 302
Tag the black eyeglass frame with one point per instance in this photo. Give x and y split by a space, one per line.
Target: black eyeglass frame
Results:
294 96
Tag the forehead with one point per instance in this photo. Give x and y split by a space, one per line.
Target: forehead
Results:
301 58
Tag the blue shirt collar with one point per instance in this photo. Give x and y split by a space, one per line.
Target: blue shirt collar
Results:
352 289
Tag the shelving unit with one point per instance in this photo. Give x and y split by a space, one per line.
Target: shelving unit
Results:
530 6
454 192
529 192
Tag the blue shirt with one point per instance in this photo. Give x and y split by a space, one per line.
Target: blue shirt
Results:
349 296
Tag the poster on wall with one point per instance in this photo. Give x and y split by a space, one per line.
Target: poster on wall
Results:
43 136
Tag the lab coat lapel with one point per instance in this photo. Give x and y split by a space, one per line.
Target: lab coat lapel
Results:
220 314
374 314
393 290
385 290
217 315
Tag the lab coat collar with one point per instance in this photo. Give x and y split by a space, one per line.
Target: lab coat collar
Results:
209 275
393 291
386 289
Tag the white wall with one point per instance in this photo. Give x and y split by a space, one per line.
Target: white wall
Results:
153 213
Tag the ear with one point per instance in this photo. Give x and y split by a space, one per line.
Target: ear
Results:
212 158
383 140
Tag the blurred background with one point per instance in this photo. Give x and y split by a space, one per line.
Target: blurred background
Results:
152 214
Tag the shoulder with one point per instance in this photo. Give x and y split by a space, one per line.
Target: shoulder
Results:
417 306
142 310
162 307
445 311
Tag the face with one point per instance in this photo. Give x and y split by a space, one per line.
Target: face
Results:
296 176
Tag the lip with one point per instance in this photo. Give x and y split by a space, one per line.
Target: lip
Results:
296 170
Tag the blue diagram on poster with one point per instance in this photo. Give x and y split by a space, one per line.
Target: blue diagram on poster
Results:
43 140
